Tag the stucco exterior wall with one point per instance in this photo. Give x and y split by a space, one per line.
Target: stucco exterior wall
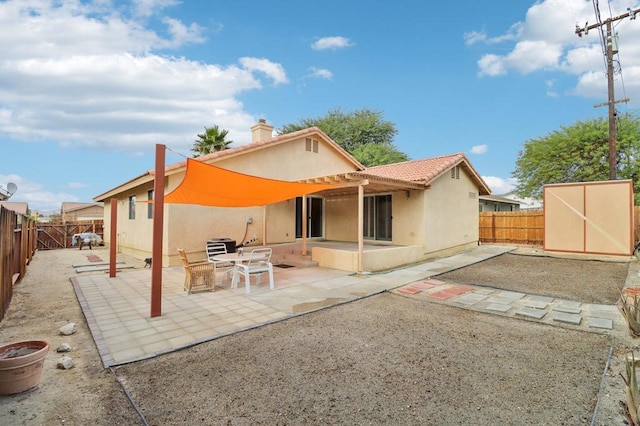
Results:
408 211
451 213
289 161
341 218
281 223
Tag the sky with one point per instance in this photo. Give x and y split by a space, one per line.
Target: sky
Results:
88 88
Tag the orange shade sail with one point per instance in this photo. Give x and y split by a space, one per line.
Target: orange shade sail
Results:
208 185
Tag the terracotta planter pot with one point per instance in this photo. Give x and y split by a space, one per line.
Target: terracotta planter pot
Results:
21 365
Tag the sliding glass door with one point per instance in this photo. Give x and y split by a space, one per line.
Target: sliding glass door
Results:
377 217
315 217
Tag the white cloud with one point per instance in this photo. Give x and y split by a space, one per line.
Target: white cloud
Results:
526 57
182 34
474 37
492 65
546 41
479 149
87 74
500 185
271 69
150 7
320 73
331 43
33 194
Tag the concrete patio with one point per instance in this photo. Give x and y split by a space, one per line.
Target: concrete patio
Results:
118 309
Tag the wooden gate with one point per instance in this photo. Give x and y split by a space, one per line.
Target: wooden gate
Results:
56 236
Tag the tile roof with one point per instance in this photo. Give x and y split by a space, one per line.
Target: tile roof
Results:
272 141
425 170
428 169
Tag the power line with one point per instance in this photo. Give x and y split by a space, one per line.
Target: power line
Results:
609 47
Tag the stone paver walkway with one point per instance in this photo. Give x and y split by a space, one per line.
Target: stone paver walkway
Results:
549 310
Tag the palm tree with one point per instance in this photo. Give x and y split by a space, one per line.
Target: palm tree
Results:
212 140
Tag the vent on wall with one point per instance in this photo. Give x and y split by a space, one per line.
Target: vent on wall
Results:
455 172
311 145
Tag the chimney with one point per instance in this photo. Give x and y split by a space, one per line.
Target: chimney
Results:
261 131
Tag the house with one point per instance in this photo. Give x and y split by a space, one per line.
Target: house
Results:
74 212
407 212
526 203
16 207
498 203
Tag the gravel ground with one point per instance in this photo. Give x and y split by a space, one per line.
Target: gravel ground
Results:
382 360
387 359
586 281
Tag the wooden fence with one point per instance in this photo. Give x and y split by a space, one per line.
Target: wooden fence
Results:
17 247
57 236
525 227
519 227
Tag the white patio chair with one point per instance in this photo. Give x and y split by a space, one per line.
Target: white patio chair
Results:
216 249
258 263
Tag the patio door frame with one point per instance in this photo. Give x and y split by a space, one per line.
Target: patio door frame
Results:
315 217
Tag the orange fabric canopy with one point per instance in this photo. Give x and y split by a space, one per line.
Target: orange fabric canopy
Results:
208 185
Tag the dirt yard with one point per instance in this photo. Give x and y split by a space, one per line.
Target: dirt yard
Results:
586 281
387 359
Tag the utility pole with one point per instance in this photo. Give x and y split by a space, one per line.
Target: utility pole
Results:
613 166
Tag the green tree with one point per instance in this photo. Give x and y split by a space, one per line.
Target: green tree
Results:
352 130
213 139
579 153
371 154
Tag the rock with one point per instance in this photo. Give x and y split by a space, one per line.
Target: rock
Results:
68 329
64 347
65 363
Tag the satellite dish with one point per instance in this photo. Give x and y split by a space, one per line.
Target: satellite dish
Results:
12 187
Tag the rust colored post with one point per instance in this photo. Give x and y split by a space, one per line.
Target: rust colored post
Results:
158 223
113 235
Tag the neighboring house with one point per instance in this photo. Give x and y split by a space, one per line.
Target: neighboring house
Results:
525 203
411 211
17 207
73 212
497 203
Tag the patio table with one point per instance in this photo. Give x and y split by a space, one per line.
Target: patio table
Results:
238 257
